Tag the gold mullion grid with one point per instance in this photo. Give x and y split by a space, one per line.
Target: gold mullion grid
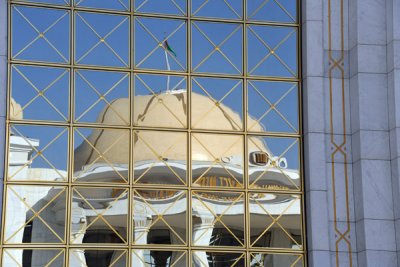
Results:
155 71
189 134
71 125
154 15
141 128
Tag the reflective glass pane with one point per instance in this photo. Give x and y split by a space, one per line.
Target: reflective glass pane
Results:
218 219
101 155
275 221
214 258
272 107
40 34
159 217
217 47
33 257
39 93
160 157
274 163
217 160
272 10
99 215
262 259
35 214
160 44
98 257
102 97
38 153
227 9
272 51
171 7
160 101
154 257
122 5
217 104
102 39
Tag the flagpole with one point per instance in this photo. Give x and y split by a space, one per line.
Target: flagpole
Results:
168 67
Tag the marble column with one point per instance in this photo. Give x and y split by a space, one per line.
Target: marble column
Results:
141 230
203 226
393 69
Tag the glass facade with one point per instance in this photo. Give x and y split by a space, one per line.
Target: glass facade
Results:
154 133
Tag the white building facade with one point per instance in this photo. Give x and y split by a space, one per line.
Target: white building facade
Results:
320 187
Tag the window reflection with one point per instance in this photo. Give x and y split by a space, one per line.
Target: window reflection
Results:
140 137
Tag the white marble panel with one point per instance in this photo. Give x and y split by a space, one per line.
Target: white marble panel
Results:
312 48
338 148
371 22
339 259
370 145
373 258
317 223
369 101
313 104
394 98
312 10
340 105
314 162
335 26
318 258
395 167
342 185
393 55
345 234
373 189
376 235
368 59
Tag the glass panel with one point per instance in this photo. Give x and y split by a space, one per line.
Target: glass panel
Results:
217 104
154 257
218 218
275 221
159 217
99 215
122 5
35 214
160 157
101 155
262 259
272 10
98 257
217 47
102 97
227 9
280 170
40 34
172 7
272 107
211 259
160 44
160 101
39 93
33 257
38 153
102 39
217 160
272 51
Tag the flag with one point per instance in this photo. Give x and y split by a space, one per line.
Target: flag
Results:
168 48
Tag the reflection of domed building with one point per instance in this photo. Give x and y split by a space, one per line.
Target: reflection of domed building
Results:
160 159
